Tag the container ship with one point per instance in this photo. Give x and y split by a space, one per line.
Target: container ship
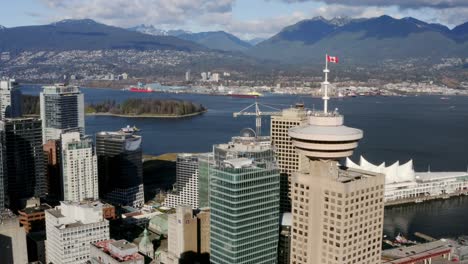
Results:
245 95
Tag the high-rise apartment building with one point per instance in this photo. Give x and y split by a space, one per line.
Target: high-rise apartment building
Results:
62 110
24 173
120 166
286 156
186 191
71 228
79 168
244 201
12 239
337 212
10 99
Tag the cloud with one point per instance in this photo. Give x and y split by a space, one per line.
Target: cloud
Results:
125 13
414 4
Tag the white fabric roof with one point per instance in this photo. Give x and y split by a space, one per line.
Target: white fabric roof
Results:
393 174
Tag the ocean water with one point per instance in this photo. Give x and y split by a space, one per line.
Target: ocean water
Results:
431 131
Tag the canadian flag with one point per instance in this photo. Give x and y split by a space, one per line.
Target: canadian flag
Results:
332 59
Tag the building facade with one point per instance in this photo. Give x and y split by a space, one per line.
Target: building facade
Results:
71 228
244 201
286 156
79 168
62 110
12 239
52 156
337 211
24 173
186 190
10 99
120 166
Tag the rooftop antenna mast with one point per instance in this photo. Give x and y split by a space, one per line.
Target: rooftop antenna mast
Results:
325 86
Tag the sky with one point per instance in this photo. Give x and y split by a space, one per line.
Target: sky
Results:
245 18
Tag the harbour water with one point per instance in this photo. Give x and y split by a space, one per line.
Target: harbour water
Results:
431 131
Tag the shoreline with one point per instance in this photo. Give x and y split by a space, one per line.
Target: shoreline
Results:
147 115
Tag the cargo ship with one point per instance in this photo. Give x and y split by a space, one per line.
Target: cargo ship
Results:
245 95
140 88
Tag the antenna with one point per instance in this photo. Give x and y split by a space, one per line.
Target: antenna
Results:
325 86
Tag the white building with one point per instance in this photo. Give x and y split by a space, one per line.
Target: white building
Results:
403 183
186 182
71 228
79 168
10 99
62 110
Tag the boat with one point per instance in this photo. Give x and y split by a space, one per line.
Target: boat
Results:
444 98
140 88
245 95
130 129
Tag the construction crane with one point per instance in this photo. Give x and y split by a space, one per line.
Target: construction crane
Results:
258 114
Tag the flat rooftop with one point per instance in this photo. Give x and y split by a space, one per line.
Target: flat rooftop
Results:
413 254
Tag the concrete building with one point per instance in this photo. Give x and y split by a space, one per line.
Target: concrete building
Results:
79 168
115 252
186 190
32 217
187 76
71 228
120 166
284 245
10 99
188 237
24 173
62 110
286 156
337 212
12 239
244 200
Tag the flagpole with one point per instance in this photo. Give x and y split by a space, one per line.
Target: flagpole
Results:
325 86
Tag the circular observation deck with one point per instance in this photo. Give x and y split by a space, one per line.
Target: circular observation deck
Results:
325 137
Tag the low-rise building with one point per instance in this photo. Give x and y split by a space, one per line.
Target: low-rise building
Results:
115 252
71 228
32 218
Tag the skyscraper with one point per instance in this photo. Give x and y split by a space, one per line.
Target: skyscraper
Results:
186 182
286 156
71 228
10 99
244 200
24 173
79 168
120 166
337 212
62 110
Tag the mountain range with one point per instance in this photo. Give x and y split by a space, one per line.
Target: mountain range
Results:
86 34
217 40
364 40
357 41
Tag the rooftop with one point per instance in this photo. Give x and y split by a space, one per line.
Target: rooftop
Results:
120 250
413 254
36 209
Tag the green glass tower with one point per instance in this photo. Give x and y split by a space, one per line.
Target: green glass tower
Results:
244 200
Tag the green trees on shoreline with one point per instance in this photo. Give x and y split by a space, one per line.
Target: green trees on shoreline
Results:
147 106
